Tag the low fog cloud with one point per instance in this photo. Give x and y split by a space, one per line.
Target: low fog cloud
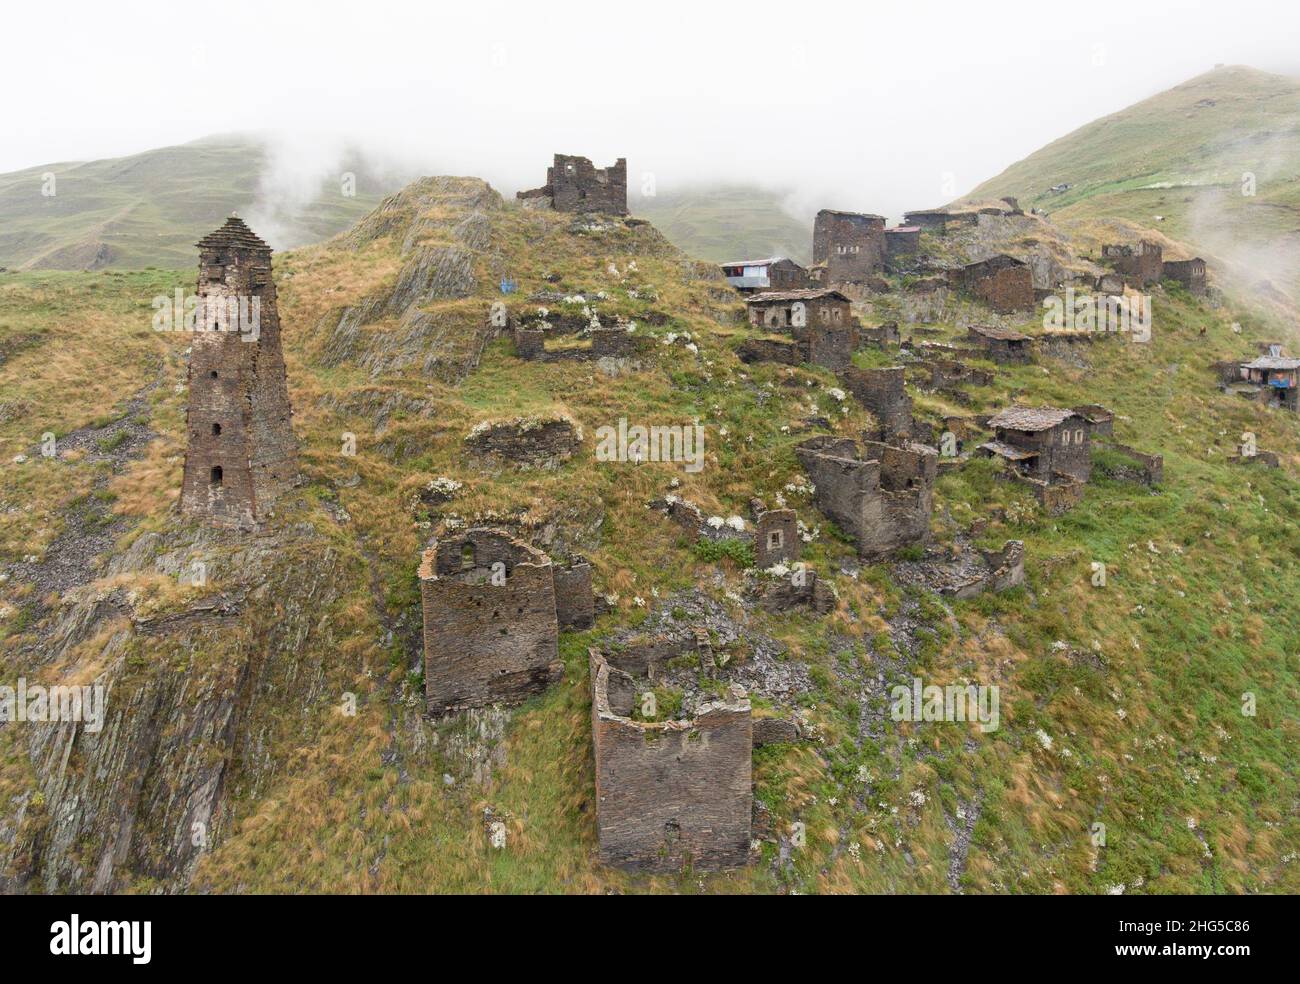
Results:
857 107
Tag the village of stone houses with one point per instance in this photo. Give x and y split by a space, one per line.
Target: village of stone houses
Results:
497 543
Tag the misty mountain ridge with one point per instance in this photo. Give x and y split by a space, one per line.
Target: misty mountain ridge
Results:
149 209
1213 162
1174 163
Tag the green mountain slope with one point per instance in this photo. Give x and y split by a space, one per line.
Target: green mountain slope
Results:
150 208
1121 705
1175 162
728 223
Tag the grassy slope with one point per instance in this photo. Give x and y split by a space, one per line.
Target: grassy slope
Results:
728 223
150 208
1181 155
1199 608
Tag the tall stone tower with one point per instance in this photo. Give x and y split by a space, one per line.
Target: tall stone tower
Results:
241 451
851 244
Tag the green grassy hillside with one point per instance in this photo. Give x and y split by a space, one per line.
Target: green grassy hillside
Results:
1120 705
1181 156
150 208
728 223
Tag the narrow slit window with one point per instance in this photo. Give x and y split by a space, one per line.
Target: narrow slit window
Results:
216 475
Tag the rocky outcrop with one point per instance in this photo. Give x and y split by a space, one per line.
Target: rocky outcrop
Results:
445 229
195 707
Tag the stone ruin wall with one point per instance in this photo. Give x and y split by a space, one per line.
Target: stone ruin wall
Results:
845 484
1189 273
947 374
1059 498
1138 265
901 244
1006 569
831 347
532 443
575 604
574 184
1105 425
1007 290
907 476
1146 469
530 343
782 594
486 643
881 497
607 342
669 793
770 350
884 393
882 335
819 346
1268 459
785 524
1228 371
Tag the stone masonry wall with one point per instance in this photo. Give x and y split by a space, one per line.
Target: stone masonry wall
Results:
1148 469
673 792
832 347
1007 290
487 642
770 350
575 605
574 184
1189 273
1005 569
776 538
852 245
1138 265
1058 499
881 497
536 443
883 392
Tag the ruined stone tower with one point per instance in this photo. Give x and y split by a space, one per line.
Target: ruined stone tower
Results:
493 611
574 184
241 451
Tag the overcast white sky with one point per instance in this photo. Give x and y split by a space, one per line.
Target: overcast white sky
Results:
861 105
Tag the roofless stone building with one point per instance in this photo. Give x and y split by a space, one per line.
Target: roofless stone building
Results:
574 184
241 453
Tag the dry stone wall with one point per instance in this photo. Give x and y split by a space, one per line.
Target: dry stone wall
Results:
491 626
669 793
